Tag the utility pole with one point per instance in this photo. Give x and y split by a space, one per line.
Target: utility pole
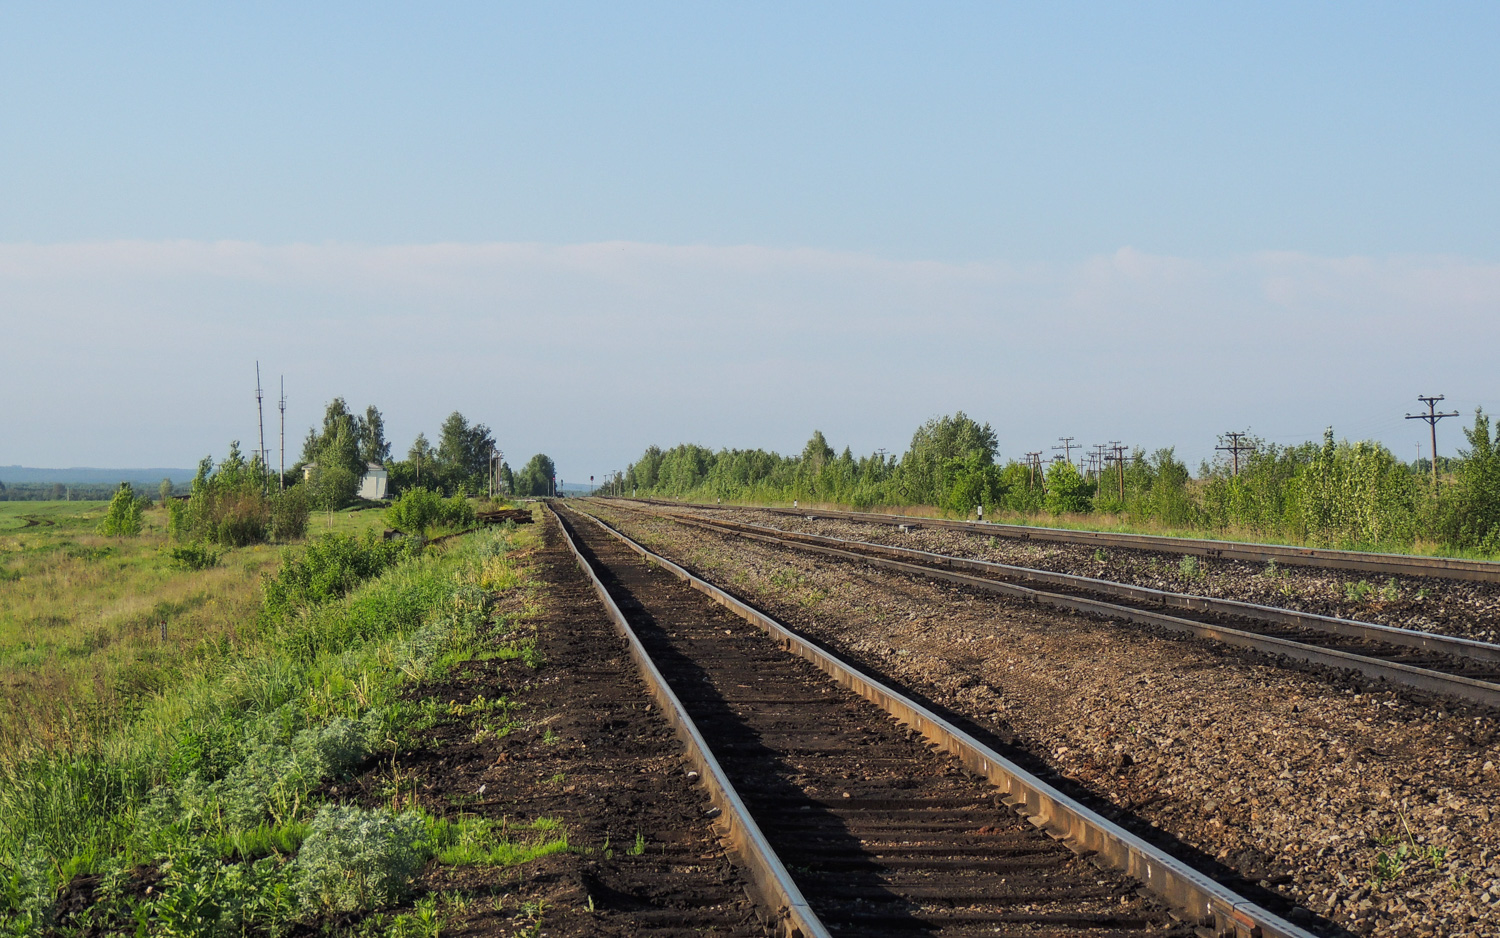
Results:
281 476
1119 451
1236 446
1432 417
1066 447
1033 463
260 418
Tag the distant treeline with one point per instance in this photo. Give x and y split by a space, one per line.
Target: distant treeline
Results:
59 491
1328 493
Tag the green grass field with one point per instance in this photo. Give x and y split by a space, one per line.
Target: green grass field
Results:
82 616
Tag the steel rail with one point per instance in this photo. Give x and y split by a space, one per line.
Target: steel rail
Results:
795 918
1453 646
1484 571
1202 901
1394 672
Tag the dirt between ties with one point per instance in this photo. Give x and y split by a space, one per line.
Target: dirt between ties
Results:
590 749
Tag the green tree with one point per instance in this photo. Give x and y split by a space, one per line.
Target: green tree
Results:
332 487
166 490
1469 514
1067 491
463 454
940 448
535 478
346 440
372 444
123 517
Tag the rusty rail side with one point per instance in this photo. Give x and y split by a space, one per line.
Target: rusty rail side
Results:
795 918
1484 571
1390 634
1200 899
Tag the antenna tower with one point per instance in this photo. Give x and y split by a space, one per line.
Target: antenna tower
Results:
281 478
260 417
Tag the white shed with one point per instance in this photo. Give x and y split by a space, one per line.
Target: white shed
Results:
373 484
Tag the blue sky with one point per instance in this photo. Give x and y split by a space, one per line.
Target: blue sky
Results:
1152 222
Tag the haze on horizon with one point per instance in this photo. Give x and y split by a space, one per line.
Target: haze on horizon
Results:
595 228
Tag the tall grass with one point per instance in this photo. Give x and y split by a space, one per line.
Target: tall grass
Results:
83 616
224 766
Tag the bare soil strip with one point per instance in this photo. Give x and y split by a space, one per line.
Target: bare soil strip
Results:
587 748
1375 809
882 835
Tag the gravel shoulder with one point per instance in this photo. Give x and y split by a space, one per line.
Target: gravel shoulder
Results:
1373 809
1430 604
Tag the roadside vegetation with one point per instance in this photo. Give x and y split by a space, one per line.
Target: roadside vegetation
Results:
1330 493
203 801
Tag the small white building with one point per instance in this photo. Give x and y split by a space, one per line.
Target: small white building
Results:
372 484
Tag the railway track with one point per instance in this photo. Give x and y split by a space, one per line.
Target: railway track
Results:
1484 571
1456 667
850 823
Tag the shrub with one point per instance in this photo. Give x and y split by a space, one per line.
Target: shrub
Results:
289 513
415 511
1067 491
327 569
194 557
123 517
457 513
355 859
419 510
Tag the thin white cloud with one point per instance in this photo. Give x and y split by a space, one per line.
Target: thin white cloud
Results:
591 351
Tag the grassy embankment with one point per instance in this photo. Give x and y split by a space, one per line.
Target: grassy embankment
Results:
196 805
82 615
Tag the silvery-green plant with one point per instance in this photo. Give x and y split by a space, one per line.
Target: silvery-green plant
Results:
356 859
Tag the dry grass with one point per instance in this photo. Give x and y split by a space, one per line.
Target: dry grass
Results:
82 616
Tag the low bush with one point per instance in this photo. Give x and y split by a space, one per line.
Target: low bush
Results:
290 510
329 568
420 510
355 859
194 557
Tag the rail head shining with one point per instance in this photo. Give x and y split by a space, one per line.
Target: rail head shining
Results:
795 918
1200 899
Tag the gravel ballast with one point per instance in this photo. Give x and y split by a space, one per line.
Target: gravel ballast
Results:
1449 607
1373 809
